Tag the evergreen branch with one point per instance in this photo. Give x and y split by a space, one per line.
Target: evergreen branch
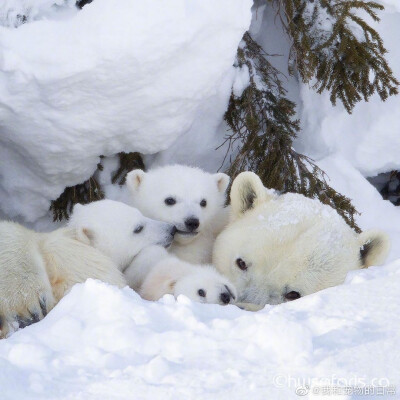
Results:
91 190
262 130
332 44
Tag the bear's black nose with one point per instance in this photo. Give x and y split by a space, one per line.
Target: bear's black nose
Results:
225 297
192 224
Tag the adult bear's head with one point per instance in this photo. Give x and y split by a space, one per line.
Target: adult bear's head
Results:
278 248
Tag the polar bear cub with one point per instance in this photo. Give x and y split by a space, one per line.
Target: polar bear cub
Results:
38 269
279 248
190 198
118 230
154 273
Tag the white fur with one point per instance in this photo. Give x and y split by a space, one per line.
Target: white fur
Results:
38 269
188 186
154 273
289 243
110 226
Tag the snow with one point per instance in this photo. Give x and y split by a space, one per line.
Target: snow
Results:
155 76
103 342
369 137
14 13
120 75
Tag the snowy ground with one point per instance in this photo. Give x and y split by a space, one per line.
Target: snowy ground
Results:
101 342
104 343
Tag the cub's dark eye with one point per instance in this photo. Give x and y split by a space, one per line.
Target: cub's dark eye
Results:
170 201
201 293
203 203
292 295
138 229
241 264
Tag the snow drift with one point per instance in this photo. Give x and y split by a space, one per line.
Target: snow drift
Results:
103 342
120 75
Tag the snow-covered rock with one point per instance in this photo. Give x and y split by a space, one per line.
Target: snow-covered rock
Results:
120 75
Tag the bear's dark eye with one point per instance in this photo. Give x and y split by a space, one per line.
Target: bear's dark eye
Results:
170 201
203 203
138 229
292 295
241 264
201 293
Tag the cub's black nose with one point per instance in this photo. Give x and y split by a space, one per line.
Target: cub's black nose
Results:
192 224
225 297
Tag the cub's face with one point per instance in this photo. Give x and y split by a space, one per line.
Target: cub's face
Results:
280 248
118 230
206 286
187 197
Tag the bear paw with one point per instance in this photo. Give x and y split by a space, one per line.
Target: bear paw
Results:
23 308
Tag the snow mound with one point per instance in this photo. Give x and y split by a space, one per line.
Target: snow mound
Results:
120 75
14 13
102 342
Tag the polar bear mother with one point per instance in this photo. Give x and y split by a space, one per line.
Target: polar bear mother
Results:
280 248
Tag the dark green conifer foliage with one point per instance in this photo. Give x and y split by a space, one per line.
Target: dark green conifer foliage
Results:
127 163
83 193
262 132
332 43
334 49
90 190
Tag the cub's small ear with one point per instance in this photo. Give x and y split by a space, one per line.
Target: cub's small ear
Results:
171 285
374 248
247 193
85 235
222 181
134 179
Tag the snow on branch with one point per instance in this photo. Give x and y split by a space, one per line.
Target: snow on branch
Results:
336 49
262 131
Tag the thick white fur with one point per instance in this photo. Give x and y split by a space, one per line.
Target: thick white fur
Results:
289 243
154 273
110 226
188 186
38 269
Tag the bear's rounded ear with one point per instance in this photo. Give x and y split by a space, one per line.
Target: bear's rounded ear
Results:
222 181
374 248
134 179
85 235
247 192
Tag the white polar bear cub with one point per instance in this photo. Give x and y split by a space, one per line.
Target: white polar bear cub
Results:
38 269
190 198
118 230
154 273
279 248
